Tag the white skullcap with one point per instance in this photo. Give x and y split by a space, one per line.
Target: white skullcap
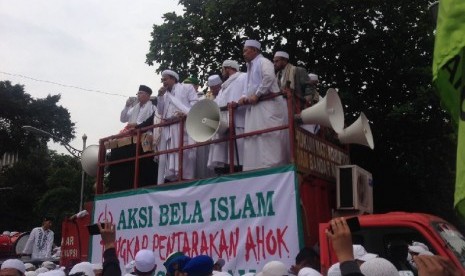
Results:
53 273
361 254
231 63
41 270
274 268
85 267
14 263
313 77
170 73
308 271
252 43
282 54
29 266
145 260
31 273
378 267
334 270
418 247
49 265
214 80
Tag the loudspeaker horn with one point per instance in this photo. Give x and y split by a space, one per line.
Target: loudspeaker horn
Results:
89 160
358 133
327 112
204 121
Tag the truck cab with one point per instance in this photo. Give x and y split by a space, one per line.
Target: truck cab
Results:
388 234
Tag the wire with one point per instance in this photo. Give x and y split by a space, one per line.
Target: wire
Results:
64 85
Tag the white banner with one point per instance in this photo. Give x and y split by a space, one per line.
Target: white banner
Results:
247 219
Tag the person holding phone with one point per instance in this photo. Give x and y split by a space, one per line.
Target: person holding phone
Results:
110 260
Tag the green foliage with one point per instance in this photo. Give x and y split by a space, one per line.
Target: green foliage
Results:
18 108
377 53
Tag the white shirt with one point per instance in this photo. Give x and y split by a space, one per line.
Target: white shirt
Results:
40 243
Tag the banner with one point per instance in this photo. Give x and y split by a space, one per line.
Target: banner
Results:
449 78
247 219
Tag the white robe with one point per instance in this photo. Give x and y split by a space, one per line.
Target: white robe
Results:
39 244
136 114
231 91
168 167
269 149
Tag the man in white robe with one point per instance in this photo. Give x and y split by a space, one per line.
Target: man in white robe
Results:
40 242
231 92
176 100
264 150
135 115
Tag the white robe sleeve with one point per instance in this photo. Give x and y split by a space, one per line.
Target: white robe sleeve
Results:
125 114
30 242
268 77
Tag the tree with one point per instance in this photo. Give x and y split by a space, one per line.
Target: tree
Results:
41 183
377 53
18 108
45 183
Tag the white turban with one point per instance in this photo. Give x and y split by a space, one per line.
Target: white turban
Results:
313 77
282 54
170 73
252 43
214 80
231 63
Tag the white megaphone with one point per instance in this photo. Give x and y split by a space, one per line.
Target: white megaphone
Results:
204 120
89 160
327 112
358 133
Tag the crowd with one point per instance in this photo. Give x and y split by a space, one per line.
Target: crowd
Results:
353 261
245 92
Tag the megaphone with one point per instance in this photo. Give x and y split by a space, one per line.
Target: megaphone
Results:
358 133
89 160
327 112
204 121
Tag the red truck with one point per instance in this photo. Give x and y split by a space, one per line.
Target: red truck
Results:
248 218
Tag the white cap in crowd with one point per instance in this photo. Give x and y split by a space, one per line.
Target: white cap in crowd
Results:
378 267
170 73
145 260
274 268
15 264
361 254
231 63
49 265
252 43
55 272
31 273
41 270
214 80
29 266
84 267
334 270
282 54
313 77
308 271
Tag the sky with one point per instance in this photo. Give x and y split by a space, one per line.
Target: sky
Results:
94 45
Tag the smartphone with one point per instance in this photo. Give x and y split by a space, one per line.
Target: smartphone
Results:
93 229
354 224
